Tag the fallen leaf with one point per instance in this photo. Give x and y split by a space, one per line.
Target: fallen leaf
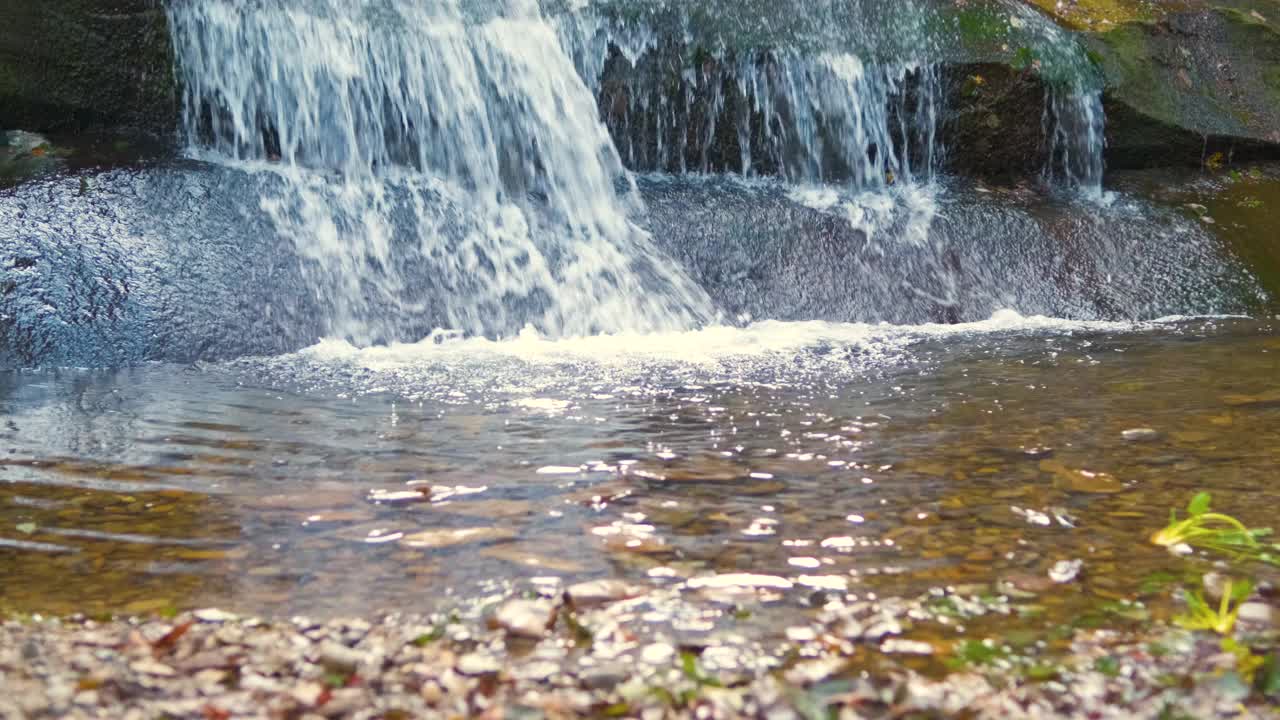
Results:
171 638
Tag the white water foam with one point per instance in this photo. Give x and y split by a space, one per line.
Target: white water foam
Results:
908 210
766 340
541 375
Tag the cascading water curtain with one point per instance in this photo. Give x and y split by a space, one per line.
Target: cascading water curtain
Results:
1074 125
811 115
439 165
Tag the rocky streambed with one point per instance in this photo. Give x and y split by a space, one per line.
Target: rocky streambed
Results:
590 651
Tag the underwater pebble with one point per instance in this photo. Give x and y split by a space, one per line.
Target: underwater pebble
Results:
398 497
1064 571
906 647
600 592
742 580
1140 434
213 615
525 618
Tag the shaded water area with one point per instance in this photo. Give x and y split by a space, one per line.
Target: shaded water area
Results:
887 461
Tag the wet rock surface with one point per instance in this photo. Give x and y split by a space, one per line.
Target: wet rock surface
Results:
181 263
80 64
1190 85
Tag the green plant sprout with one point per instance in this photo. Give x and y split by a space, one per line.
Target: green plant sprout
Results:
1200 616
1247 664
1215 531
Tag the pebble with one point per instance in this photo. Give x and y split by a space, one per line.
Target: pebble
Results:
1140 434
1257 613
340 656
658 653
148 666
525 618
906 647
1083 481
600 592
307 693
604 678
801 634
1024 585
344 702
456 536
213 615
537 671
1215 583
475 663
810 672
398 497
1064 571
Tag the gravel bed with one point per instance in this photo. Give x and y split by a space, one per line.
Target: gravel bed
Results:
593 652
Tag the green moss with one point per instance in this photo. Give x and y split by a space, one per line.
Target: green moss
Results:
1126 58
8 80
981 26
1024 58
1087 14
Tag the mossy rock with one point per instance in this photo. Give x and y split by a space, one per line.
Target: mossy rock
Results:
24 156
1190 85
1098 14
69 65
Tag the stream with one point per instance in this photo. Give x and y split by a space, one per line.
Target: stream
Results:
442 303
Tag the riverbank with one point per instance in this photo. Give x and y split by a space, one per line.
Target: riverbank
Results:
592 652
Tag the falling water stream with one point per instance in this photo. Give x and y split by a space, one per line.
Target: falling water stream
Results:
411 130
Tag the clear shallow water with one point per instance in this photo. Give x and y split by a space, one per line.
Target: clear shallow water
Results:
881 459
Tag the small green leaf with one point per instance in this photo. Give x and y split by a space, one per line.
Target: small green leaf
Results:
1042 673
1269 679
437 632
27 528
1240 590
1107 666
1199 504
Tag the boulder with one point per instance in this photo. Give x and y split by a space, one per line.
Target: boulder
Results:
1191 84
71 65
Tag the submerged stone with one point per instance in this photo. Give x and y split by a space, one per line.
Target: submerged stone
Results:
459 536
600 592
1064 571
1140 434
525 618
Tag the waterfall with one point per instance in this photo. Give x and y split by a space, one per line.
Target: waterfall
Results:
839 93
1074 124
462 165
1073 121
434 161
